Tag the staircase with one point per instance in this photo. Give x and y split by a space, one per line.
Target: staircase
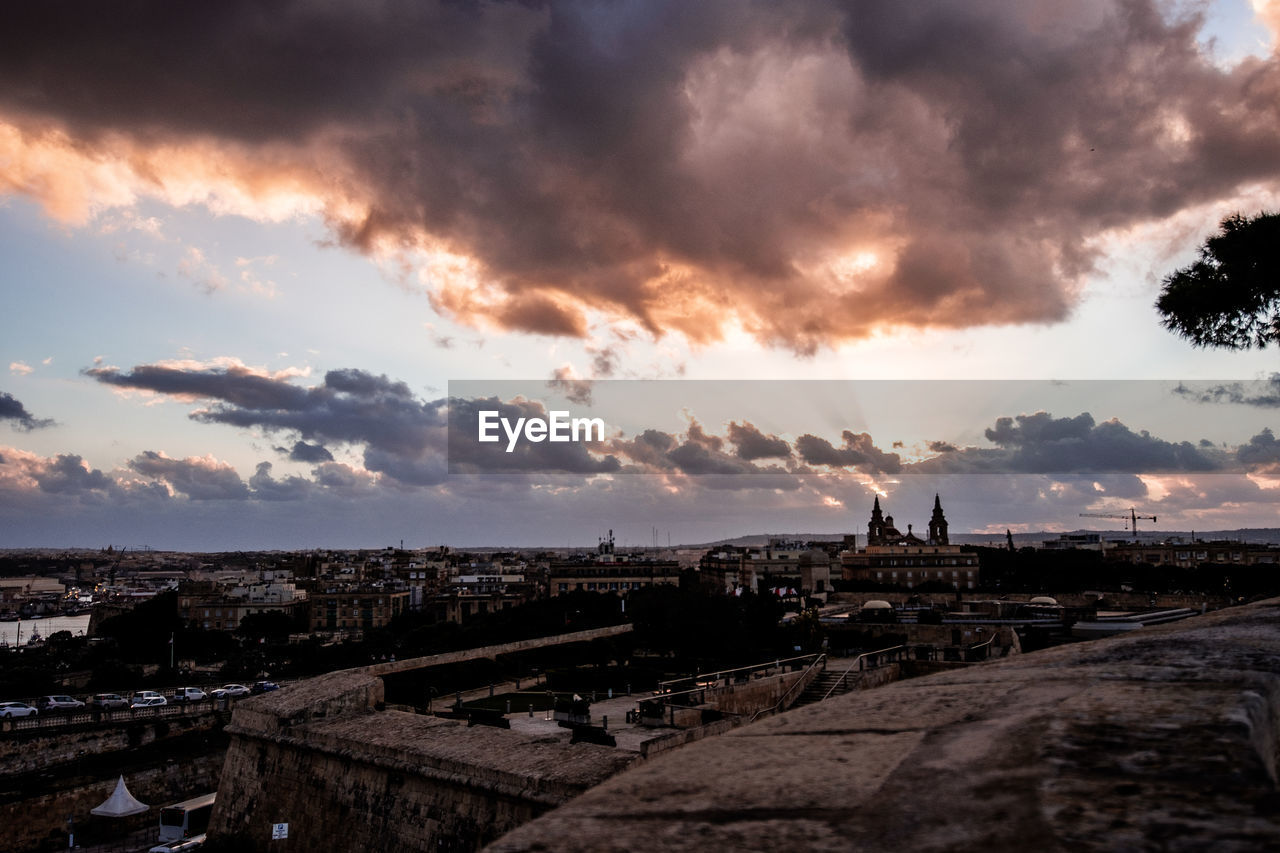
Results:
821 686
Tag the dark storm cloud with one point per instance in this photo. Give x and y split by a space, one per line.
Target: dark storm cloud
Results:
682 164
1264 394
402 436
198 479
1262 449
750 443
238 386
303 452
11 409
267 488
68 474
858 451
701 456
1042 444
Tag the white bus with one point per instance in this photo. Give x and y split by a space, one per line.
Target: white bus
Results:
186 819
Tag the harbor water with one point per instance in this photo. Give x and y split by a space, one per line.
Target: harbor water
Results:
77 625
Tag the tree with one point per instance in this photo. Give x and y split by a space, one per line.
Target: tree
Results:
1230 297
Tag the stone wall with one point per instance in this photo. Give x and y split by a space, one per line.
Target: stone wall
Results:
34 806
1120 600
1161 739
31 750
758 695
328 758
393 781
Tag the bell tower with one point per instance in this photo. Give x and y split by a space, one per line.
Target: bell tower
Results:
938 524
875 528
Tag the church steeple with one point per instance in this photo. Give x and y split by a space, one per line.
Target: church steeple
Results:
938 524
875 528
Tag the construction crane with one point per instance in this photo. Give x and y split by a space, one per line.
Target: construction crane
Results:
1132 518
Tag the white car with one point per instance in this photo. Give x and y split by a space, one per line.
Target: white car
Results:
9 710
148 701
230 691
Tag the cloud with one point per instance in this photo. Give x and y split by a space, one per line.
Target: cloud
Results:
750 443
1264 394
699 455
1042 444
68 474
266 487
199 478
566 381
199 269
1262 450
402 436
858 451
303 452
808 171
20 368
12 410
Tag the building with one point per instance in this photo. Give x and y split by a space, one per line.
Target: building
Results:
355 607
609 571
898 559
799 568
212 606
1188 555
1075 542
468 596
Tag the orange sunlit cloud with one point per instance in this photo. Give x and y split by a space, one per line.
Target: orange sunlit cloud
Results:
811 174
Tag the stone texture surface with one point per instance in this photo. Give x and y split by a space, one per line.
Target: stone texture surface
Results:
325 757
1164 739
394 781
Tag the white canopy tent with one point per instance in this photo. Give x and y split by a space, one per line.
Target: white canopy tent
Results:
120 804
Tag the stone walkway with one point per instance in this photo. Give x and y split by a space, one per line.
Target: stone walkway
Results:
1162 739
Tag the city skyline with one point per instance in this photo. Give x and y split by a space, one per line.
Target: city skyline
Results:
246 256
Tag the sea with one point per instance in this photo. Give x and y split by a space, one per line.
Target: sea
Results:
77 625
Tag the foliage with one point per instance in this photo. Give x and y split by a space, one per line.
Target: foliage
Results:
701 625
1230 297
270 625
142 635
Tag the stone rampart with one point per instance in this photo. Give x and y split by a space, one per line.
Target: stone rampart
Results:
326 757
1161 739
34 750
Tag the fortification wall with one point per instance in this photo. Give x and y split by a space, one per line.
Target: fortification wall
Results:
35 805
30 750
326 757
1161 739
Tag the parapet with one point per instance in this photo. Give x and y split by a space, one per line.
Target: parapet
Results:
1164 738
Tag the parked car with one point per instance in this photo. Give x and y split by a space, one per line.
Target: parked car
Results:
108 702
189 694
230 691
9 710
145 694
263 687
59 703
149 701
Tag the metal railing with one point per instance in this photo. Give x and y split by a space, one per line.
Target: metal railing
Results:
859 663
971 652
781 704
57 720
741 673
668 698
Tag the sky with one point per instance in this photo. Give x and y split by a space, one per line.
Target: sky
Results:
796 255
